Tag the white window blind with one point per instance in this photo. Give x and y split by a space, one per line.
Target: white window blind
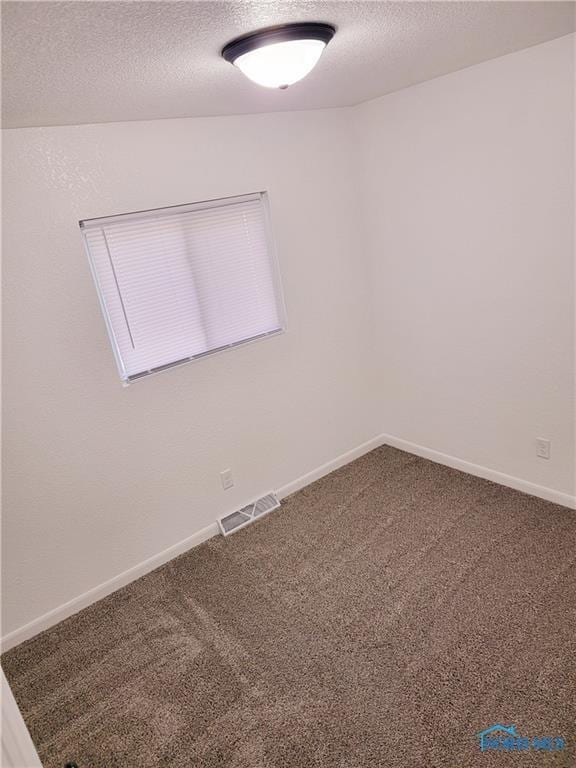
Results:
178 283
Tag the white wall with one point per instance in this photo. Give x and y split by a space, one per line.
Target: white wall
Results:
16 748
439 219
98 477
469 222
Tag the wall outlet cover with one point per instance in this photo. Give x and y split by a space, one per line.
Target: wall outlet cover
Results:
227 479
542 448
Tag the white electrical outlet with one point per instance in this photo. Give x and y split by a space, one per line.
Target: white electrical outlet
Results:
227 479
542 448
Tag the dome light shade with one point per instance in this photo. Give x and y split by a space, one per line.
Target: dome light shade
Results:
280 64
277 57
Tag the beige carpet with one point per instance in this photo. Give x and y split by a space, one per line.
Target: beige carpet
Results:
380 619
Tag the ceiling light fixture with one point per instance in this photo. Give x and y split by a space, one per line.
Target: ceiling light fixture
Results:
277 57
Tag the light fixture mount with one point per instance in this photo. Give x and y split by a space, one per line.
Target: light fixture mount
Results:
282 33
279 56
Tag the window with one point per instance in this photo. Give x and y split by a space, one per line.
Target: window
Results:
176 284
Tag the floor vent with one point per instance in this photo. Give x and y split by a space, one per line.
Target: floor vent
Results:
236 520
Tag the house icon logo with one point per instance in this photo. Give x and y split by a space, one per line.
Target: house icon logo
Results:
492 734
505 738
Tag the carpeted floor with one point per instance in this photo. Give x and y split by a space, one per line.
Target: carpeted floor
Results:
380 619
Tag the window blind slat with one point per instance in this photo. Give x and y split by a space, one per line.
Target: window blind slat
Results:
186 283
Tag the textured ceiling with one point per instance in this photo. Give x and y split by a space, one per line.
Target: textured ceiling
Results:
91 62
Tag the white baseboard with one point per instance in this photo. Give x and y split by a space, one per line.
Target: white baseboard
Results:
103 590
549 494
329 466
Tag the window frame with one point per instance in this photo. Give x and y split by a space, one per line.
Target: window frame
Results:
150 213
